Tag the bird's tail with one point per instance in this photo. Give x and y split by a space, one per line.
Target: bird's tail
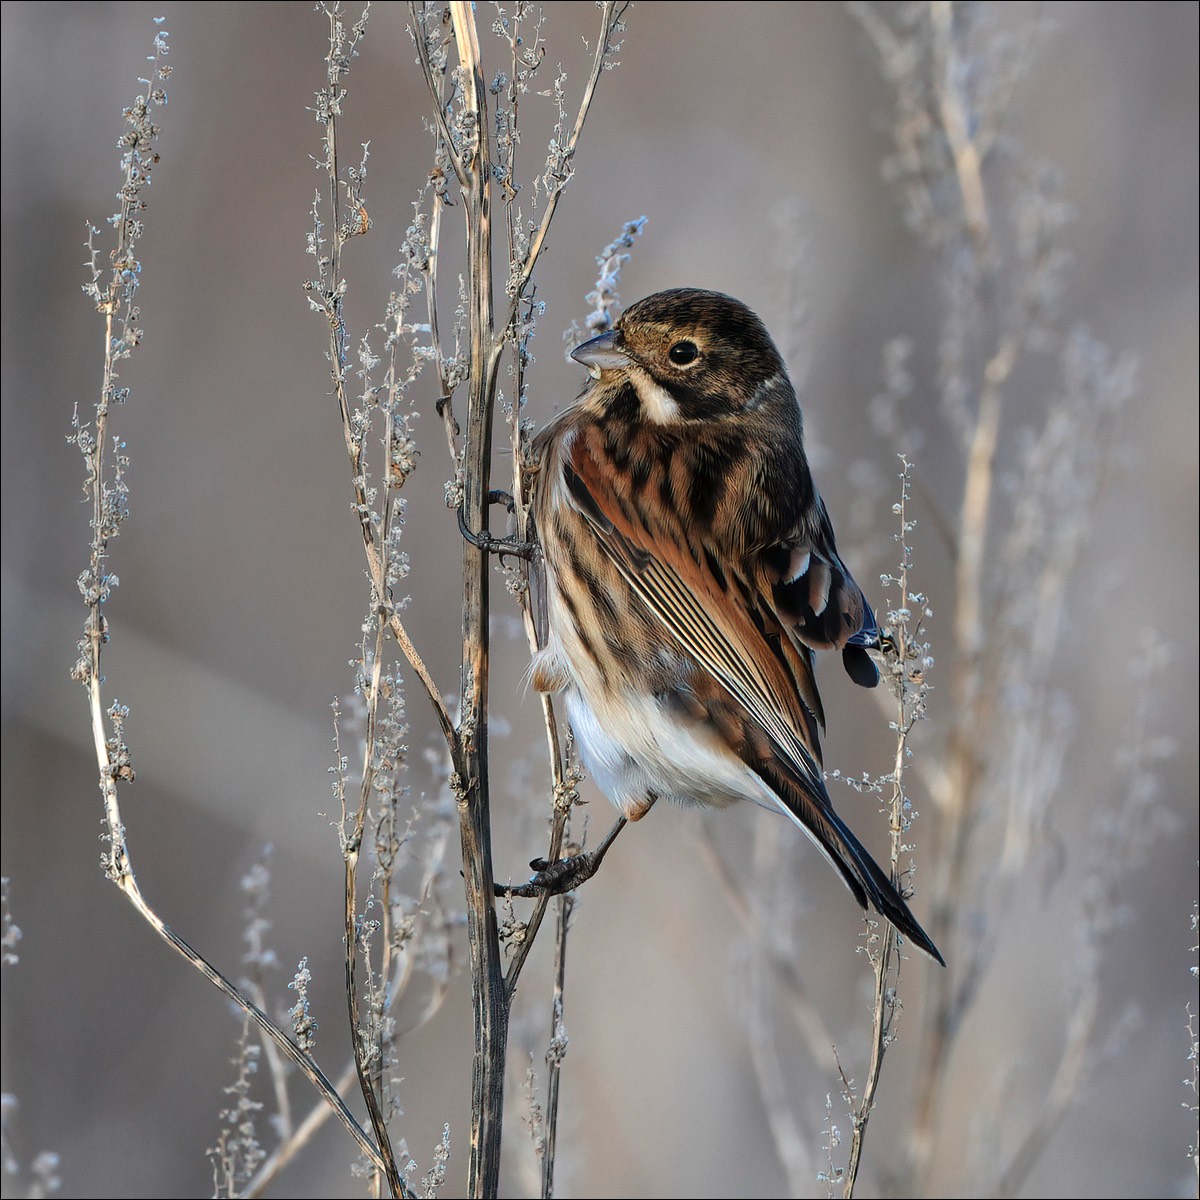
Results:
864 877
869 882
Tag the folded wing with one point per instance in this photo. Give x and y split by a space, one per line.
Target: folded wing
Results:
750 631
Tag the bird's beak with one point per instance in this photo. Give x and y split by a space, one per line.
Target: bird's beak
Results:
601 354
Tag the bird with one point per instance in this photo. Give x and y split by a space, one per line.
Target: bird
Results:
688 573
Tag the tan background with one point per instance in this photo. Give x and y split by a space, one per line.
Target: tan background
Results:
242 588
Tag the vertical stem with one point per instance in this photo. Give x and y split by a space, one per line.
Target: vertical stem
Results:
958 797
488 994
886 961
558 1044
368 1043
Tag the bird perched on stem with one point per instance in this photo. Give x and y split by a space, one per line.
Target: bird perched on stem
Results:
690 573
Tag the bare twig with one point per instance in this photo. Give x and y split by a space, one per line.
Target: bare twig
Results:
557 1049
488 338
489 997
953 71
612 15
419 30
106 489
905 672
300 1058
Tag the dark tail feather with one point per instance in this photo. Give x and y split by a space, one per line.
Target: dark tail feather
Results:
867 880
799 791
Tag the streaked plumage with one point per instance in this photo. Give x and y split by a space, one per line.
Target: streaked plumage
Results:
691 571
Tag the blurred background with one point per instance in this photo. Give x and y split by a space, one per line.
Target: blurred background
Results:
751 137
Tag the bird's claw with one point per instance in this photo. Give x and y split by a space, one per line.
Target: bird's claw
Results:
504 547
554 878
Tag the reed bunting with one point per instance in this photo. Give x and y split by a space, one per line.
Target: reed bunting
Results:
690 573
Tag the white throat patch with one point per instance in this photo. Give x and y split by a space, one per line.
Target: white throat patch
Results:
657 403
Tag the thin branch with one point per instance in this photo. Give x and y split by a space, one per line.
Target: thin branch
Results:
957 799
557 1049
304 1061
906 677
417 30
432 693
328 299
445 400
489 997
565 798
273 1166
367 1050
112 755
610 22
403 967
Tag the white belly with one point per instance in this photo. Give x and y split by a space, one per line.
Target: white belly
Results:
637 749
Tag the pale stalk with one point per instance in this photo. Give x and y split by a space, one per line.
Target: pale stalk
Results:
886 961
119 867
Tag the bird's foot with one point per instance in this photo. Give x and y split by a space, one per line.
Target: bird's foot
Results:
555 878
504 547
564 875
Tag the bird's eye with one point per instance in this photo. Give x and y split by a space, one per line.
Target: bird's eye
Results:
683 353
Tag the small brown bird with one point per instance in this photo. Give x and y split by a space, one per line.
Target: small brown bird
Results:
691 571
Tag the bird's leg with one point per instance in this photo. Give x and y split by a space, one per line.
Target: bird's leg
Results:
565 875
491 545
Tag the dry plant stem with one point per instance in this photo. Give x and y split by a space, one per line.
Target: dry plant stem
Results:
439 112
562 810
352 843
435 336
366 1057
445 141
491 996
304 1061
118 865
611 16
563 802
558 1046
434 83
128 885
471 162
277 1073
332 304
960 783
296 1140
886 961
488 995
887 970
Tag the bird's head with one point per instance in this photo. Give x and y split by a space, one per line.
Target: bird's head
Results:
689 355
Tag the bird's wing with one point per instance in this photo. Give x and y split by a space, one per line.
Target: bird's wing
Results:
714 613
815 598
755 682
